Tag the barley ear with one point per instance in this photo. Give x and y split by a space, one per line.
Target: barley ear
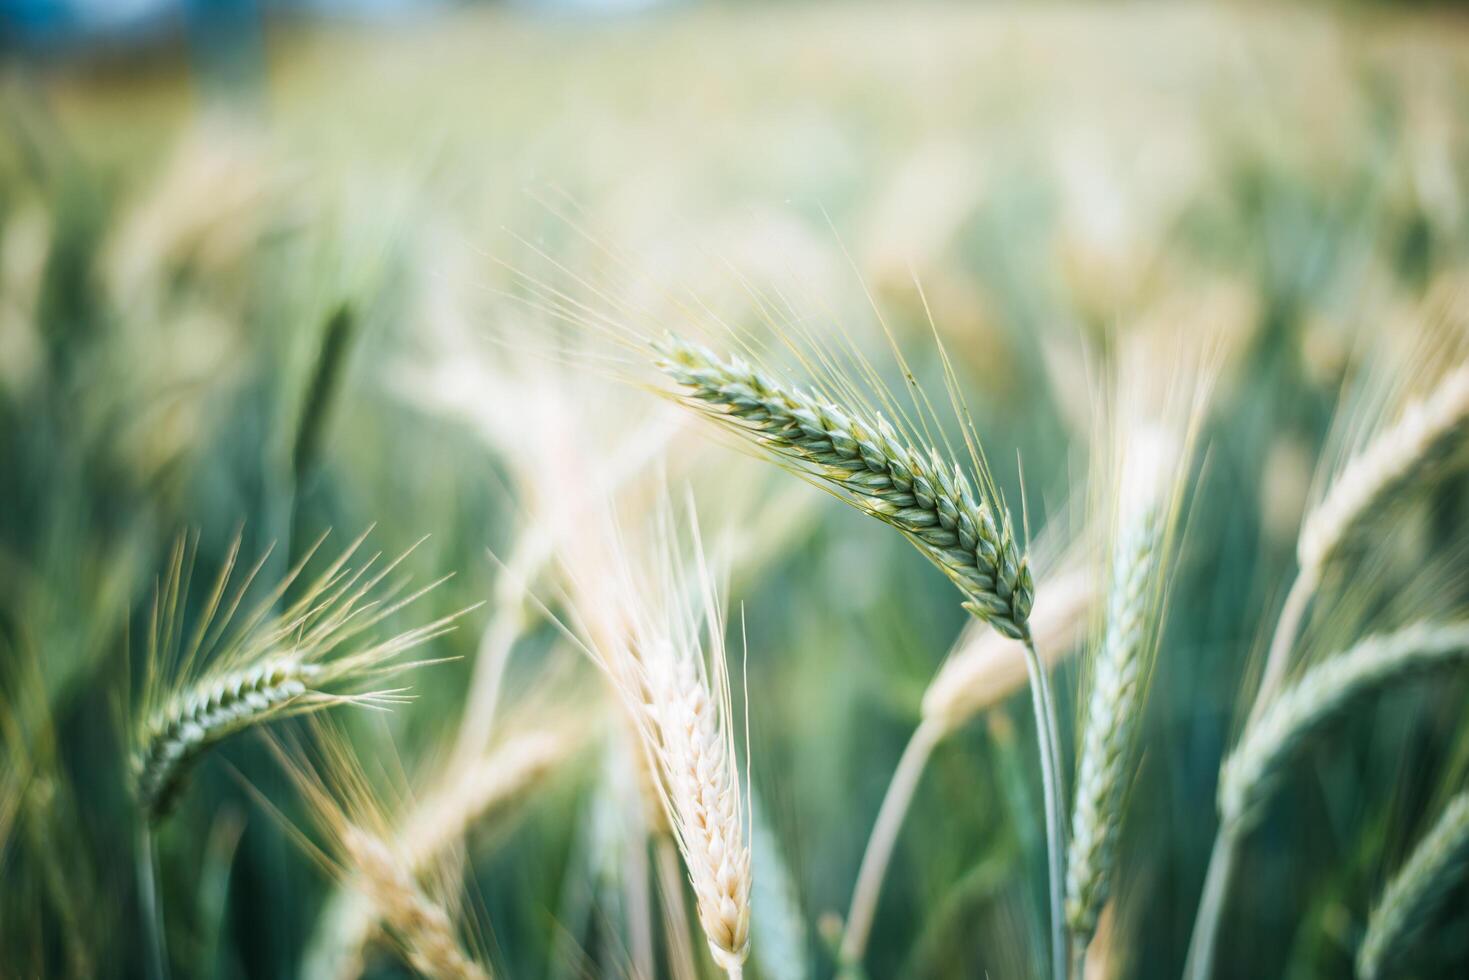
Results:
422 926
1112 714
1426 440
1429 435
1321 694
206 714
229 676
867 463
1153 455
1417 892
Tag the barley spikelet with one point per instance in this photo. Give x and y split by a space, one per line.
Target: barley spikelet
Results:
209 713
1323 692
422 926
1152 457
986 667
417 907
667 664
867 463
306 657
1429 433
695 752
459 797
464 794
1113 706
1416 893
1161 391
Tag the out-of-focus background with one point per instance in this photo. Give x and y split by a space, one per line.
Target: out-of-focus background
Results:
253 275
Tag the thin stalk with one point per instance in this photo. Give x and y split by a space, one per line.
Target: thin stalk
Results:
637 894
1200 962
1286 629
487 677
1047 735
152 907
675 911
875 859
899 797
1078 958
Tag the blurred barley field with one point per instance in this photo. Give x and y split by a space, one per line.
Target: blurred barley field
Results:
378 277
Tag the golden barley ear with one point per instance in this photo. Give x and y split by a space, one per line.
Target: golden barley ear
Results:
353 815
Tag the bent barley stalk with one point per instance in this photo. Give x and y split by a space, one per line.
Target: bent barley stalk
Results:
1258 764
1256 767
1399 459
915 489
1417 893
274 665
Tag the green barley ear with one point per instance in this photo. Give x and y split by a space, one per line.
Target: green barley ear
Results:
1154 427
1385 461
1322 694
237 670
1114 705
866 462
1417 892
1427 439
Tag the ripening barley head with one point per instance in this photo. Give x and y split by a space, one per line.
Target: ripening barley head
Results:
417 901
655 627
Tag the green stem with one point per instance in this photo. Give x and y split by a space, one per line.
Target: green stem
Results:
1047 735
1200 962
1281 643
875 859
152 909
